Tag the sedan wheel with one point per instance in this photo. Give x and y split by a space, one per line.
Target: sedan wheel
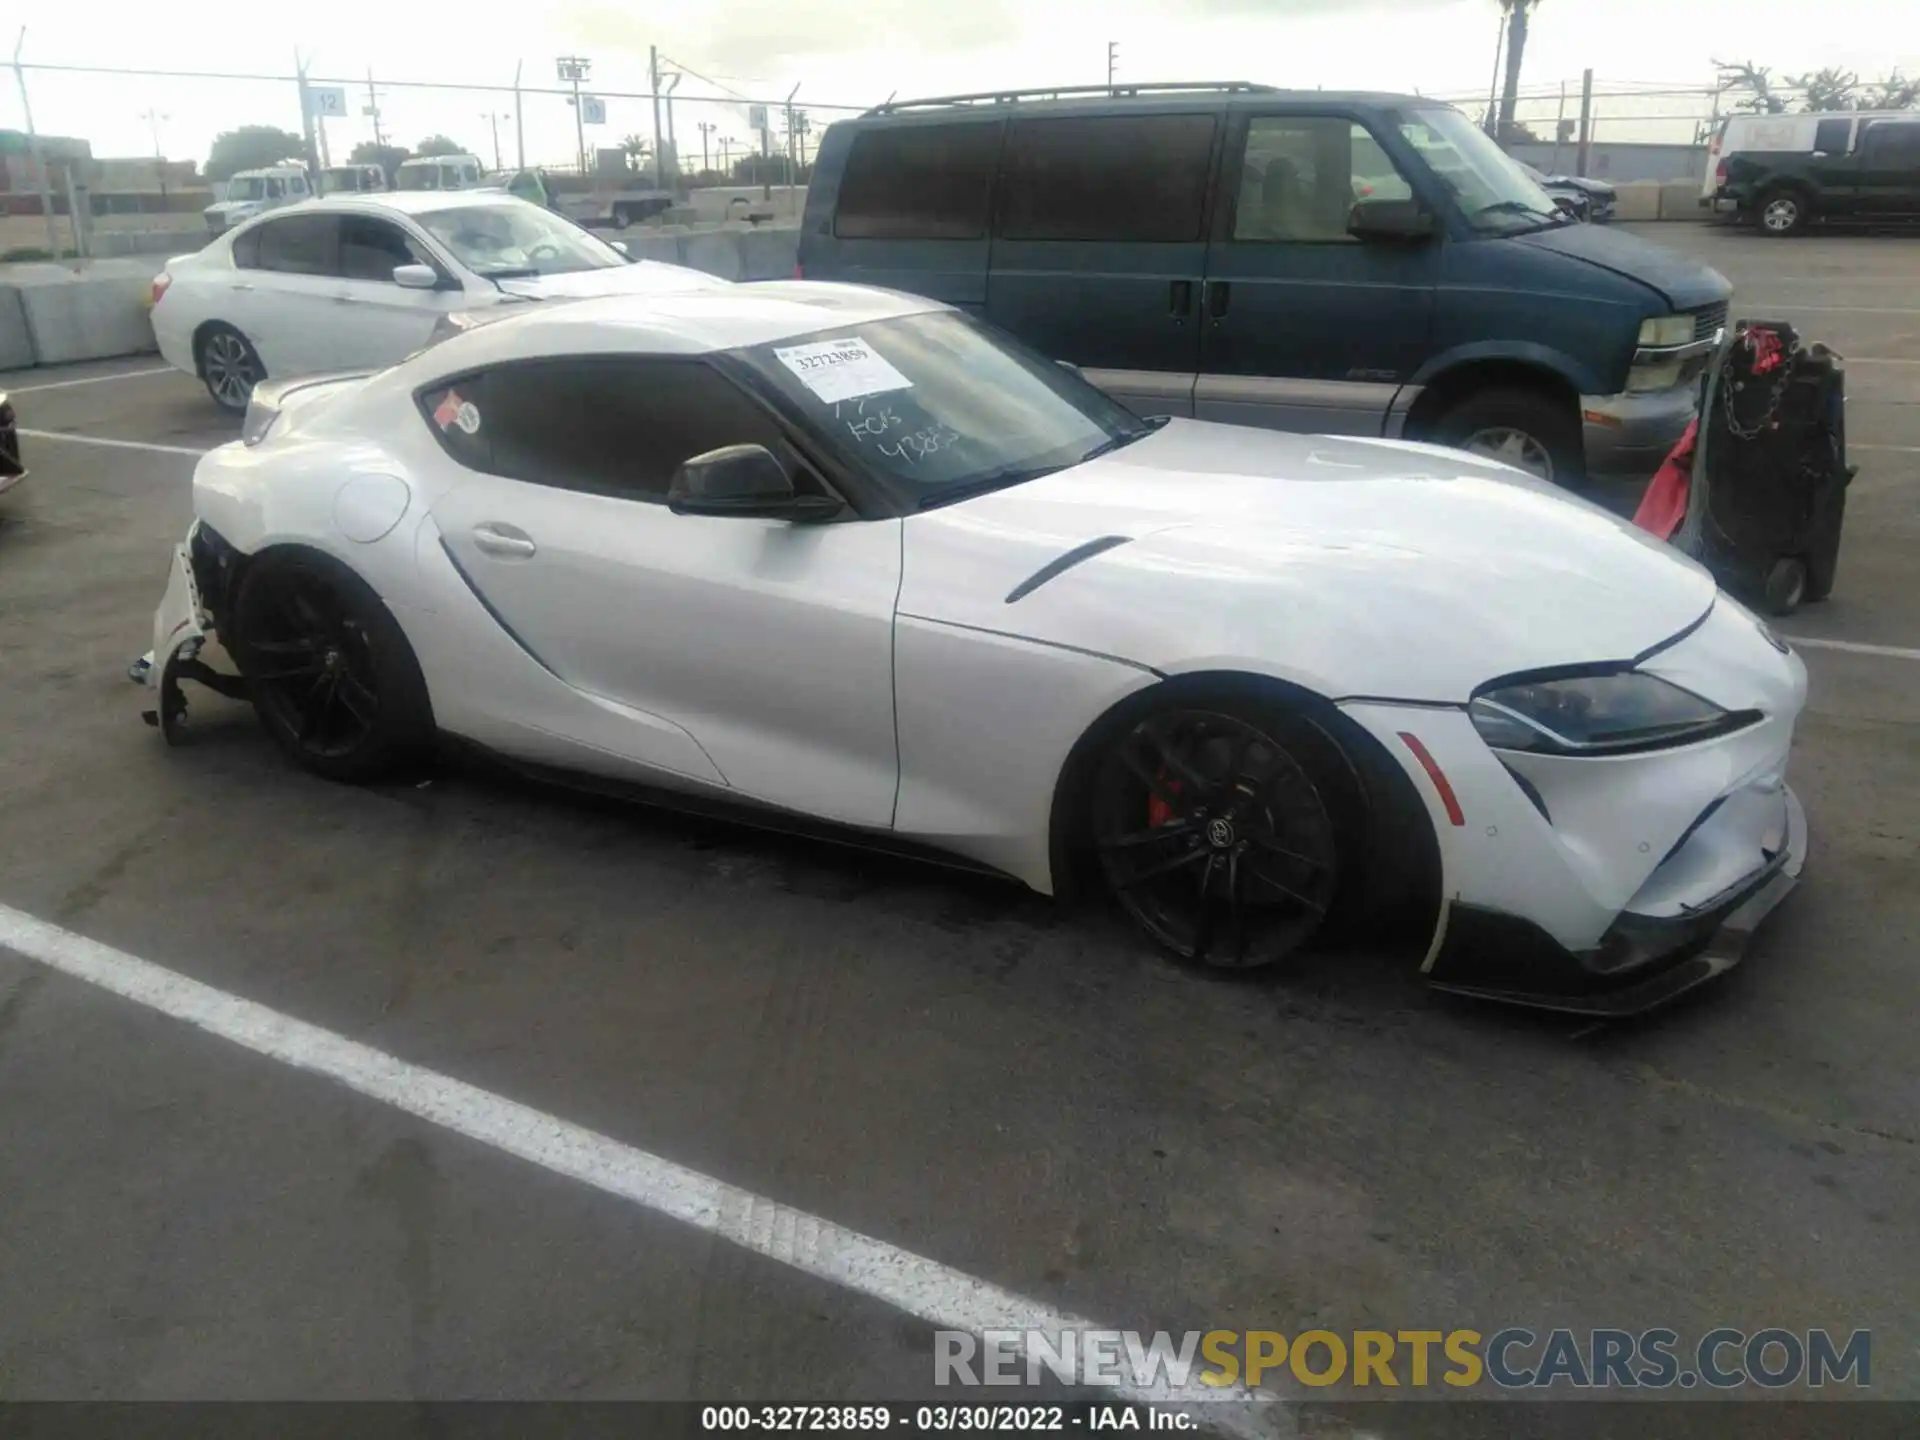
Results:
1511 447
1214 839
231 368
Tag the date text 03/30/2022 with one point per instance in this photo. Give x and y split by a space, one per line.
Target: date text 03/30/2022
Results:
910 1418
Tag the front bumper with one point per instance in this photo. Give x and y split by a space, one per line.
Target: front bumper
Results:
1627 436
1641 962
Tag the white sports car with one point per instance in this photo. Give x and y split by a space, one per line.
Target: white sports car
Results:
364 280
841 555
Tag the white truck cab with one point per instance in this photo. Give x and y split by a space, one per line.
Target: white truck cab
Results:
440 172
254 192
353 180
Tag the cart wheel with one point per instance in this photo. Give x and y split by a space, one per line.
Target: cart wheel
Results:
1786 585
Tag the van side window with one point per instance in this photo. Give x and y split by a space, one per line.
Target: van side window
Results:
1891 142
1833 137
1139 178
918 182
1301 176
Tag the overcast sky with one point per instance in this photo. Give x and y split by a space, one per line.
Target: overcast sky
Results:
857 52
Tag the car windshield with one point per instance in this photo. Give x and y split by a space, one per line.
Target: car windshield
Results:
1493 191
510 238
938 406
246 187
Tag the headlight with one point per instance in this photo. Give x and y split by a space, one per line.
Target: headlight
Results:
1661 331
1598 715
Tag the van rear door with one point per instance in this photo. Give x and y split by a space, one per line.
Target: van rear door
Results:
1099 246
905 205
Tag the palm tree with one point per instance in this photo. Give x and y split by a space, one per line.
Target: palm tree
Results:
1518 13
636 148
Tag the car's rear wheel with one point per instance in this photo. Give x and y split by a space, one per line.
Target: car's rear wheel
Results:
332 676
1782 212
1214 833
1527 429
230 366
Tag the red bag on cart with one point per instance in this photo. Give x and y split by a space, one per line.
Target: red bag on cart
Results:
1664 505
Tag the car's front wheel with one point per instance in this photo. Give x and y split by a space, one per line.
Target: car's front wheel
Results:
1526 429
1214 827
331 673
230 366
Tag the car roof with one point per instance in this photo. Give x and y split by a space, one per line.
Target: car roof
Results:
689 322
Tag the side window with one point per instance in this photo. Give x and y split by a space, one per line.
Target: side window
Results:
1106 177
370 249
297 185
918 182
276 188
297 245
246 249
1301 175
1833 137
1892 143
607 425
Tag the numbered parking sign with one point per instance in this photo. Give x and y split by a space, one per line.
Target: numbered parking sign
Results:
326 101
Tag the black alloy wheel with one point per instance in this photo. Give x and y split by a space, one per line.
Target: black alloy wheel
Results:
329 668
1214 838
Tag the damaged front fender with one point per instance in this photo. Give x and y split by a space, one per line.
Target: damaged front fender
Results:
181 627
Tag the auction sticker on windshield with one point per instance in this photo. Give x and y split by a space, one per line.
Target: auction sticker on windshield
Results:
837 370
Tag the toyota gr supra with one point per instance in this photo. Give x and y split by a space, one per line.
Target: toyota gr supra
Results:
841 555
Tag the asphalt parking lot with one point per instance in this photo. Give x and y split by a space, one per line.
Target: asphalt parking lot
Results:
999 1090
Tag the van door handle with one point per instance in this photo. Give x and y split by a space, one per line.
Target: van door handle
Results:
503 540
1180 300
1218 295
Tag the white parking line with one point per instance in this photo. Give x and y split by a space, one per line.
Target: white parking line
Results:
1852 647
1886 449
91 380
925 1289
113 444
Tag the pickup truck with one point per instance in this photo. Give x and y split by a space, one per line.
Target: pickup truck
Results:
594 209
1857 170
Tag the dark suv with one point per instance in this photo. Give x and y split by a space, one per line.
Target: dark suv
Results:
1349 263
1858 169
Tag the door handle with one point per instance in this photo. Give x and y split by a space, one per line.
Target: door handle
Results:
240 285
1180 300
346 299
1219 293
503 540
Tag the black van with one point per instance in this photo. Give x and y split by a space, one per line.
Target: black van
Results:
1348 263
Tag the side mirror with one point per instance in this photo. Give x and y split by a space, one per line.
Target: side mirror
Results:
415 277
1390 220
743 481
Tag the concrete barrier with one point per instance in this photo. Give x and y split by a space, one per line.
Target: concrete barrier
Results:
1680 200
16 343
1638 200
652 247
94 313
716 252
769 254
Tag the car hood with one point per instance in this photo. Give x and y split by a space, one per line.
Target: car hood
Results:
1685 283
1354 567
641 277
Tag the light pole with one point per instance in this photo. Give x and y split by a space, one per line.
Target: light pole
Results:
153 119
493 119
572 70
1113 61
707 127
673 145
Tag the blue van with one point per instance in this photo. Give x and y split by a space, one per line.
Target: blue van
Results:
1355 264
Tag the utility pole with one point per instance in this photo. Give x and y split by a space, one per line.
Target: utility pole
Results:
1493 87
726 155
707 127
653 72
1586 122
33 147
573 69
673 83
790 171
492 117
153 119
373 110
519 122
1113 61
314 163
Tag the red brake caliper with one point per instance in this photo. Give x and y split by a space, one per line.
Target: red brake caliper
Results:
1159 812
